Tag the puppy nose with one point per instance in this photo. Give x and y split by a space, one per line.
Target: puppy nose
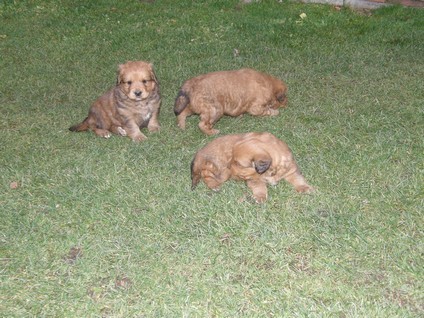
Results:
137 93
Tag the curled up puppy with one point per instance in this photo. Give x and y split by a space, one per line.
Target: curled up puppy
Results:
256 158
232 93
132 104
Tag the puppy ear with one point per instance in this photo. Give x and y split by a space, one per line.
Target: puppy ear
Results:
262 165
252 155
281 97
119 74
152 73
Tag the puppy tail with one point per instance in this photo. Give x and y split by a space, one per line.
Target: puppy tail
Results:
80 127
181 102
195 175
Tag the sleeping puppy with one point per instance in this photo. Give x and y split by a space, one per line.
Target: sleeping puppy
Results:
230 93
257 158
132 104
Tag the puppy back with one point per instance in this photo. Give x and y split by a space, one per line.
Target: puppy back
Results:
181 102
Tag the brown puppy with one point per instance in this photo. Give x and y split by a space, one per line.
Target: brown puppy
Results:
257 158
132 104
230 93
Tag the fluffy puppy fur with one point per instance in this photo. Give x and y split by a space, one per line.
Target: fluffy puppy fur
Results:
132 104
230 93
257 158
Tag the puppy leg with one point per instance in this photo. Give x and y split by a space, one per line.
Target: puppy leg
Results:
299 182
207 120
206 127
133 131
263 110
118 130
259 189
153 124
181 118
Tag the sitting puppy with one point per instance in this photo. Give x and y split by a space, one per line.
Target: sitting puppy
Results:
132 104
230 93
257 158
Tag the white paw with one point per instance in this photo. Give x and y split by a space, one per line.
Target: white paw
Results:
122 131
272 112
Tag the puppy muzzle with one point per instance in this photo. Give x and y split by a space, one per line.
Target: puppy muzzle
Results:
138 95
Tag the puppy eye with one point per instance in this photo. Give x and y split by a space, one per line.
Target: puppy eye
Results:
129 82
144 81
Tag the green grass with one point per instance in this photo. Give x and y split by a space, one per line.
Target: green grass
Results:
110 228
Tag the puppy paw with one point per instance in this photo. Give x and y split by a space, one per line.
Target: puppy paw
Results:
121 131
103 133
106 134
260 199
211 132
153 128
207 129
181 123
305 189
138 138
272 112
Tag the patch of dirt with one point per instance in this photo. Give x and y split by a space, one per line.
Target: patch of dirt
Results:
403 300
122 282
73 254
14 185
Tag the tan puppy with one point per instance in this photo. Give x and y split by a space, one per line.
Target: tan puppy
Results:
132 104
230 93
257 158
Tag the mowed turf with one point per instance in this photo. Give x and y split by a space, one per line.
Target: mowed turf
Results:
110 228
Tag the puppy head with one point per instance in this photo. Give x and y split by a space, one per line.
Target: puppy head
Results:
137 79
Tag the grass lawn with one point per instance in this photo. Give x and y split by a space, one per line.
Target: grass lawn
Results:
110 228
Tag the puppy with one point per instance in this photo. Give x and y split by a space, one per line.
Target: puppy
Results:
257 158
230 93
132 104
